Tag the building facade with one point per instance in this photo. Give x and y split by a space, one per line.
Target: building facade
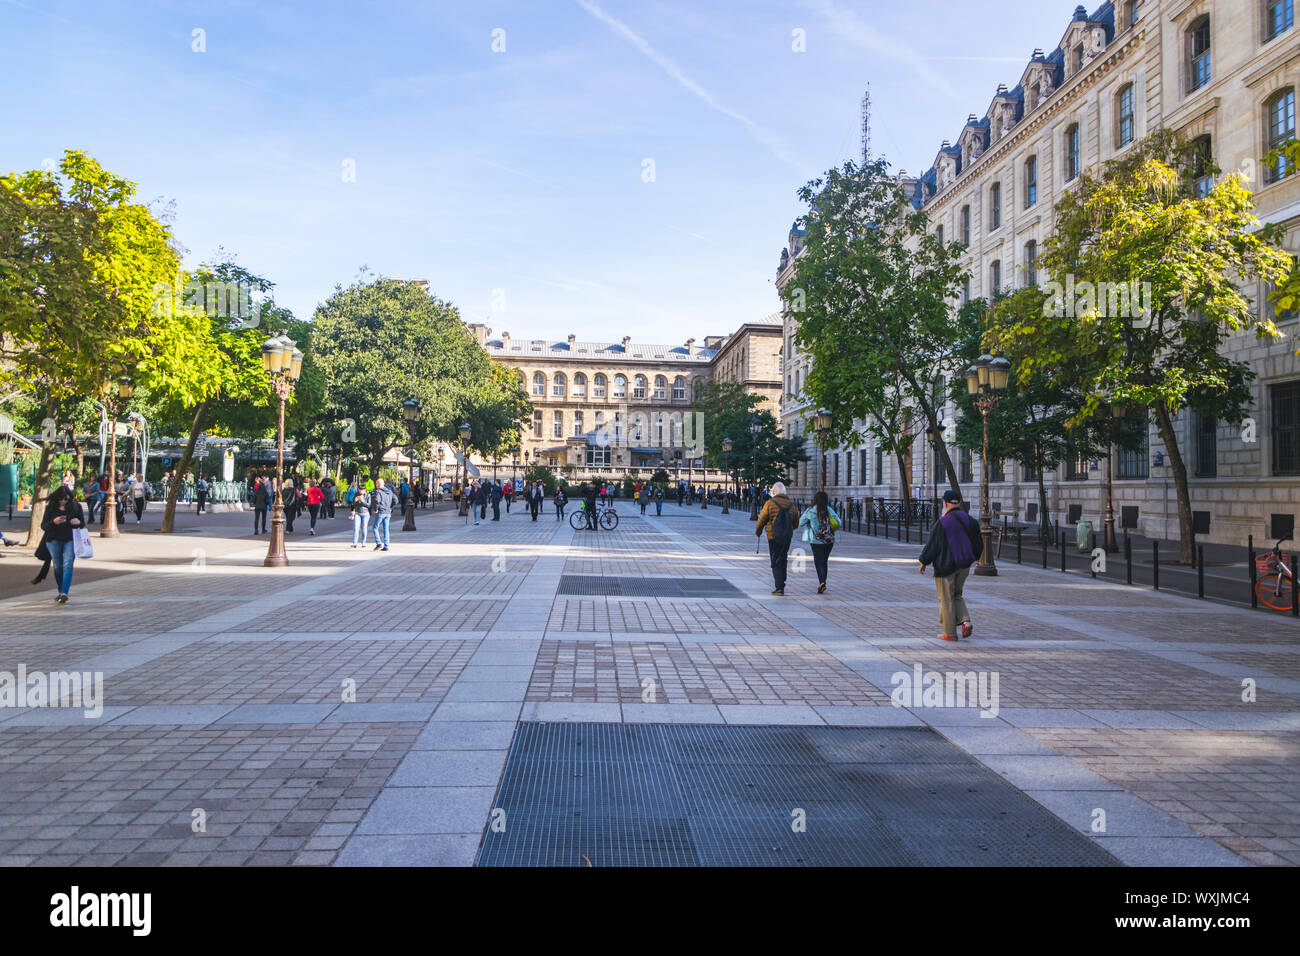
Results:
612 408
1224 74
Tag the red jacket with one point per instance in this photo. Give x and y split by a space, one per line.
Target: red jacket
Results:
314 495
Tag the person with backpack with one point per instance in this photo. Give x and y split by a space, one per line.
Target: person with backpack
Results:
778 521
292 504
359 510
659 501
261 502
819 523
382 500
953 546
560 501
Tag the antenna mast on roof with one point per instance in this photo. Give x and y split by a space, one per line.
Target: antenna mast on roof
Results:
866 125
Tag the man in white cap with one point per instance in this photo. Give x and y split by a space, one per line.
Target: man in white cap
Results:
777 517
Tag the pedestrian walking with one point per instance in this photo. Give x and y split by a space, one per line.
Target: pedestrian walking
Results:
359 511
497 495
819 522
201 494
63 516
93 494
535 503
778 522
953 546
292 505
328 493
643 497
403 493
381 503
473 497
261 504
314 498
560 501
510 495
138 497
659 501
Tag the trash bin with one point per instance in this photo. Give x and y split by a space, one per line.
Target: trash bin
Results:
1083 535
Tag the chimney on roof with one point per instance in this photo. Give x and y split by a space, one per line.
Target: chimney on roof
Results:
1081 12
945 145
972 118
689 343
572 338
505 340
1002 87
626 339
1038 53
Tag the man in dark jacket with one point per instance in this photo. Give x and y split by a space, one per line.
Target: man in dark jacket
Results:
381 506
589 505
953 546
497 495
261 503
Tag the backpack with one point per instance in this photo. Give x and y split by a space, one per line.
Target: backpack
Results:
782 526
822 533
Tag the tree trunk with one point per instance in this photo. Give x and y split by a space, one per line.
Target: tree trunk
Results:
1042 496
1186 541
905 486
174 490
41 481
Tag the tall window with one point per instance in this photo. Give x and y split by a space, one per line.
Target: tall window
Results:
1031 262
559 385
1072 166
1284 405
1198 38
679 389
661 388
1202 161
577 424
1207 446
938 234
965 465
557 425
1280 113
1133 463
1031 181
995 277
620 386
995 206
537 423
965 225
1279 16
638 387
880 467
1124 124
539 384
965 292
579 385
997 470
848 467
862 464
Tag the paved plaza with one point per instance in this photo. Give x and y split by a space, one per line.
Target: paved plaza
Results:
359 708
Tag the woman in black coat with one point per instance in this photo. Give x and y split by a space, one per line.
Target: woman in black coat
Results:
63 515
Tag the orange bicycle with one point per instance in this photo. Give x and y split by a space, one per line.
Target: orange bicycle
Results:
1276 584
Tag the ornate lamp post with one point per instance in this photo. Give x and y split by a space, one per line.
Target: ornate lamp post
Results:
726 468
411 414
704 467
108 527
283 364
823 432
1117 412
514 471
466 433
755 429
986 381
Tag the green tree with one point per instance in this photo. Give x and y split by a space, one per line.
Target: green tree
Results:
1172 262
728 410
1286 298
873 289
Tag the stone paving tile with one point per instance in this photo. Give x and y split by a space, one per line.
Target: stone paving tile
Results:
96 614
1185 623
703 673
517 561
52 654
692 616
1240 789
195 581
409 614
271 795
430 585
922 620
1279 665
295 672
1084 678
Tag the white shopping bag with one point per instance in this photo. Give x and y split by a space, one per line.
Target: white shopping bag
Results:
81 543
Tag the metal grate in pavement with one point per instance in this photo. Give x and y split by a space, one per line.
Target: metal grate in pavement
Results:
601 586
577 794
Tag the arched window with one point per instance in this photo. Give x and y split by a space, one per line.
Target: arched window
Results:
695 389
965 225
639 387
1124 117
559 385
1031 262
579 385
995 206
598 386
1072 164
539 383
1279 113
661 388
1198 51
1031 181
679 389
1279 16
620 386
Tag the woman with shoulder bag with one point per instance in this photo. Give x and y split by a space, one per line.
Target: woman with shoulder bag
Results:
63 516
819 523
359 510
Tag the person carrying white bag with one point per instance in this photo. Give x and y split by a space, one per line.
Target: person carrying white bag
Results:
63 519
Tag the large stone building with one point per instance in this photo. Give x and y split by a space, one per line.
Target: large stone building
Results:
609 408
1221 72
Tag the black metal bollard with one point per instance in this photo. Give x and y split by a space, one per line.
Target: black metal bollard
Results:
1062 552
1042 543
1295 592
1128 560
1018 544
1155 565
1200 571
1250 561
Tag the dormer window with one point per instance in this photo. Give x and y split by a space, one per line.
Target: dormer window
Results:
1078 58
1198 39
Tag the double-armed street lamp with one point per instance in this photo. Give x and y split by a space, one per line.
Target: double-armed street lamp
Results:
824 423
125 387
755 429
726 469
282 361
466 433
411 415
986 381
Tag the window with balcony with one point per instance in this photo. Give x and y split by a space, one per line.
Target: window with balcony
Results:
1198 42
1031 181
1124 116
1280 114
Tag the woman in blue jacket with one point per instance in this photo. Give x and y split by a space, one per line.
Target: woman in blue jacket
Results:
819 523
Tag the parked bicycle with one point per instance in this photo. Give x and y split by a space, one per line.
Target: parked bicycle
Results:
607 517
1276 580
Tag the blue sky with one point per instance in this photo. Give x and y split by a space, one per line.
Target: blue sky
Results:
513 181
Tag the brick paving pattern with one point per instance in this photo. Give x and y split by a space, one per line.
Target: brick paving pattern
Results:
682 616
407 614
87 614
434 585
